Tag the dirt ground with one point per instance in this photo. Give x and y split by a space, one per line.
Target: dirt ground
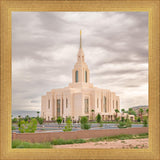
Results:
127 144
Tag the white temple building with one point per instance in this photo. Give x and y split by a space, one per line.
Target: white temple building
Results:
80 98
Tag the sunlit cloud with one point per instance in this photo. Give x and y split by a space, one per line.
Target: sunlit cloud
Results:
45 47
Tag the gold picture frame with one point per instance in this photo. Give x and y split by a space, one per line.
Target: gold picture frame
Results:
150 6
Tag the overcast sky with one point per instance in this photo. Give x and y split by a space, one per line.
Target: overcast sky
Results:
45 47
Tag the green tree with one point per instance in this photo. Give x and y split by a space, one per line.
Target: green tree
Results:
22 126
116 110
98 118
28 127
31 126
145 122
130 110
138 119
40 120
59 121
141 112
68 126
84 123
27 118
123 111
14 120
147 111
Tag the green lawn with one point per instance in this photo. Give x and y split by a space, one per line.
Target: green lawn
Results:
21 144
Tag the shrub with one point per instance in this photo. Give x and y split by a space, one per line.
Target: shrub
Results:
145 122
59 121
122 119
22 126
20 119
101 125
122 125
68 126
70 141
32 126
128 123
84 123
84 119
85 126
14 120
27 118
40 120
117 119
28 127
138 119
125 124
13 128
98 118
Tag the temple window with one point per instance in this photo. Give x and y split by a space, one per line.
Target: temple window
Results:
105 104
58 107
116 104
113 104
86 76
86 104
62 106
76 76
66 103
97 103
48 104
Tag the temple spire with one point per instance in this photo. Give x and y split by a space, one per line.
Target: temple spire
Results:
80 39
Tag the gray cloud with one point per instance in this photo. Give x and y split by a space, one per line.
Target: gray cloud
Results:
45 46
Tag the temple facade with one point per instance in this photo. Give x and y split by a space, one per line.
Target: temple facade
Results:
80 98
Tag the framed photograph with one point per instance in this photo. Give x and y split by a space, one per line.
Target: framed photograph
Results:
80 79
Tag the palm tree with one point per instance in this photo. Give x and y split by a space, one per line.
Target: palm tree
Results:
116 110
141 111
130 110
38 113
147 110
123 110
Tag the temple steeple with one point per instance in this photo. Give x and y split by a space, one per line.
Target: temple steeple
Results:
80 56
80 73
80 39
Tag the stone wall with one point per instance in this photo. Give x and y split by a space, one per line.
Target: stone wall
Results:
83 134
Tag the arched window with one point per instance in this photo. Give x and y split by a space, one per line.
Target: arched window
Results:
76 76
86 76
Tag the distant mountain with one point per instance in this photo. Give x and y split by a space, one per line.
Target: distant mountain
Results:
134 107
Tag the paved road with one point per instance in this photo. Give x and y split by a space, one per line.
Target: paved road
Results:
53 127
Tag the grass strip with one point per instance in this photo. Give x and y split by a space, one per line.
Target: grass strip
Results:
71 141
109 138
22 144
